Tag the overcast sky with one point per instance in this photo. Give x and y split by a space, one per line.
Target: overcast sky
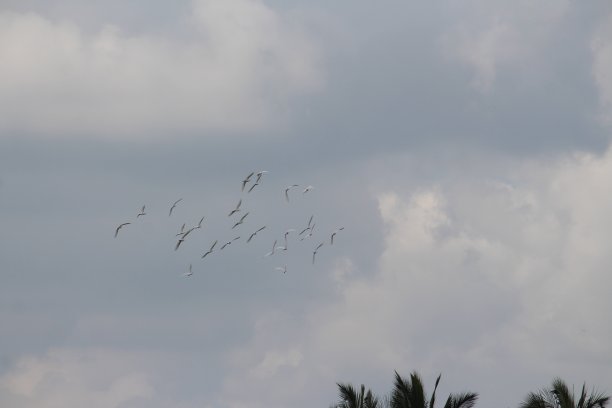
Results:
463 146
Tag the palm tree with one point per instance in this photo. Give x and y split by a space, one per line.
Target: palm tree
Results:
411 394
560 396
349 398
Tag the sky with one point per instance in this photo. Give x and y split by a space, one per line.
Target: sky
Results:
464 147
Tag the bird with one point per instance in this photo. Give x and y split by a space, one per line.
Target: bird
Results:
260 175
283 269
199 223
310 230
142 212
314 253
174 205
121 226
252 187
255 233
308 226
229 242
182 238
247 179
210 250
287 233
182 230
273 248
307 189
241 220
235 210
187 274
287 191
334 234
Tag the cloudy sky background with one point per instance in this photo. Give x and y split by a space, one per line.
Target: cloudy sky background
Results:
464 146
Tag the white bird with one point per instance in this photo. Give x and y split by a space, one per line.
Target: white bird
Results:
314 253
121 226
334 234
252 187
229 242
310 230
235 210
273 248
287 190
307 189
182 238
259 175
210 251
247 179
308 226
174 205
199 223
287 233
142 212
241 220
283 269
187 274
255 233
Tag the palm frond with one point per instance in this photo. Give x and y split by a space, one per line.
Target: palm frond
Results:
463 400
565 397
433 394
400 395
417 396
348 396
370 401
538 400
597 400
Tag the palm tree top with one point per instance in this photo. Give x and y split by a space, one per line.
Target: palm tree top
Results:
560 396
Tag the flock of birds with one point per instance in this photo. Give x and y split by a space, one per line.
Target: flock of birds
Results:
256 179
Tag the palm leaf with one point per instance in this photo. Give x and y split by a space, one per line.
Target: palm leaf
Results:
565 397
417 396
464 400
433 394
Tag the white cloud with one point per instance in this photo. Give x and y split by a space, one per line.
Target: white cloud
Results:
241 66
496 34
473 276
64 378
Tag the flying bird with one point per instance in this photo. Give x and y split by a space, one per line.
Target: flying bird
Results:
260 175
314 253
283 269
308 226
121 226
200 223
310 230
142 212
182 238
287 191
241 220
229 242
307 189
182 230
187 274
174 205
287 233
235 210
255 233
273 248
252 187
178 244
210 251
334 234
247 179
